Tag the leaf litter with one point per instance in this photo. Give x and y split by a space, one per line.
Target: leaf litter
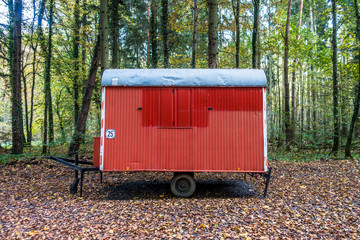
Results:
318 199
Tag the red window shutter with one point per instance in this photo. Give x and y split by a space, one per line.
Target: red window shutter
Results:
200 116
151 107
183 108
166 108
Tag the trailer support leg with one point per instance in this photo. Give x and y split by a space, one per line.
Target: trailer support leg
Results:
81 181
74 185
74 164
101 177
267 176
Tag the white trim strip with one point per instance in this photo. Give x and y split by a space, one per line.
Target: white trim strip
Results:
266 165
102 123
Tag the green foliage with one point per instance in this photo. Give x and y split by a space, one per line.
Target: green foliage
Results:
29 152
307 155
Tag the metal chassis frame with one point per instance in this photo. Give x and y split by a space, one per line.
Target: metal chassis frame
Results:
74 164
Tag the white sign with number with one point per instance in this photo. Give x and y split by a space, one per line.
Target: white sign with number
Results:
110 133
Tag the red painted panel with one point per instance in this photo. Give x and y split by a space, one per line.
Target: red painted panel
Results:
183 108
190 107
235 99
226 139
200 103
96 151
167 107
150 107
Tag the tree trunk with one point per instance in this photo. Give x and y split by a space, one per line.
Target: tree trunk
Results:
27 126
153 35
314 112
302 91
164 27
40 16
280 102
29 135
33 75
17 116
293 90
137 55
42 41
114 33
270 94
148 35
343 79
45 130
194 39
355 114
255 32
11 37
104 45
39 28
78 135
288 130
336 140
58 114
258 58
76 46
51 116
84 33
308 113
236 10
312 98
213 34
48 115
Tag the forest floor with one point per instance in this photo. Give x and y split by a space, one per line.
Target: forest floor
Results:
312 200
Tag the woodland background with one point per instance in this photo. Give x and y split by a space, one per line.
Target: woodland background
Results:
52 54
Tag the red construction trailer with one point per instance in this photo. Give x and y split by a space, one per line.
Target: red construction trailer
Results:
183 121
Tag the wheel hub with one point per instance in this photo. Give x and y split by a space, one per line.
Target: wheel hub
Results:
183 185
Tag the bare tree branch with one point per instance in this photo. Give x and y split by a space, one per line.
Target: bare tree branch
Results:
5 58
4 75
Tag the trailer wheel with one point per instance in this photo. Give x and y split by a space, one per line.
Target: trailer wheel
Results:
182 185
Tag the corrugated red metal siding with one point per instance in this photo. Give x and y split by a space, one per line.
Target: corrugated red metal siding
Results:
184 129
96 152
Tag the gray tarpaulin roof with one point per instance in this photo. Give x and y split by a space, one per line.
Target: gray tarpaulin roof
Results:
184 77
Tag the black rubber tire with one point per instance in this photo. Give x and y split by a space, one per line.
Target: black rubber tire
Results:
183 185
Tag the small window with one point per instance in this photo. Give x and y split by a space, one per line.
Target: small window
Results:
168 108
175 108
